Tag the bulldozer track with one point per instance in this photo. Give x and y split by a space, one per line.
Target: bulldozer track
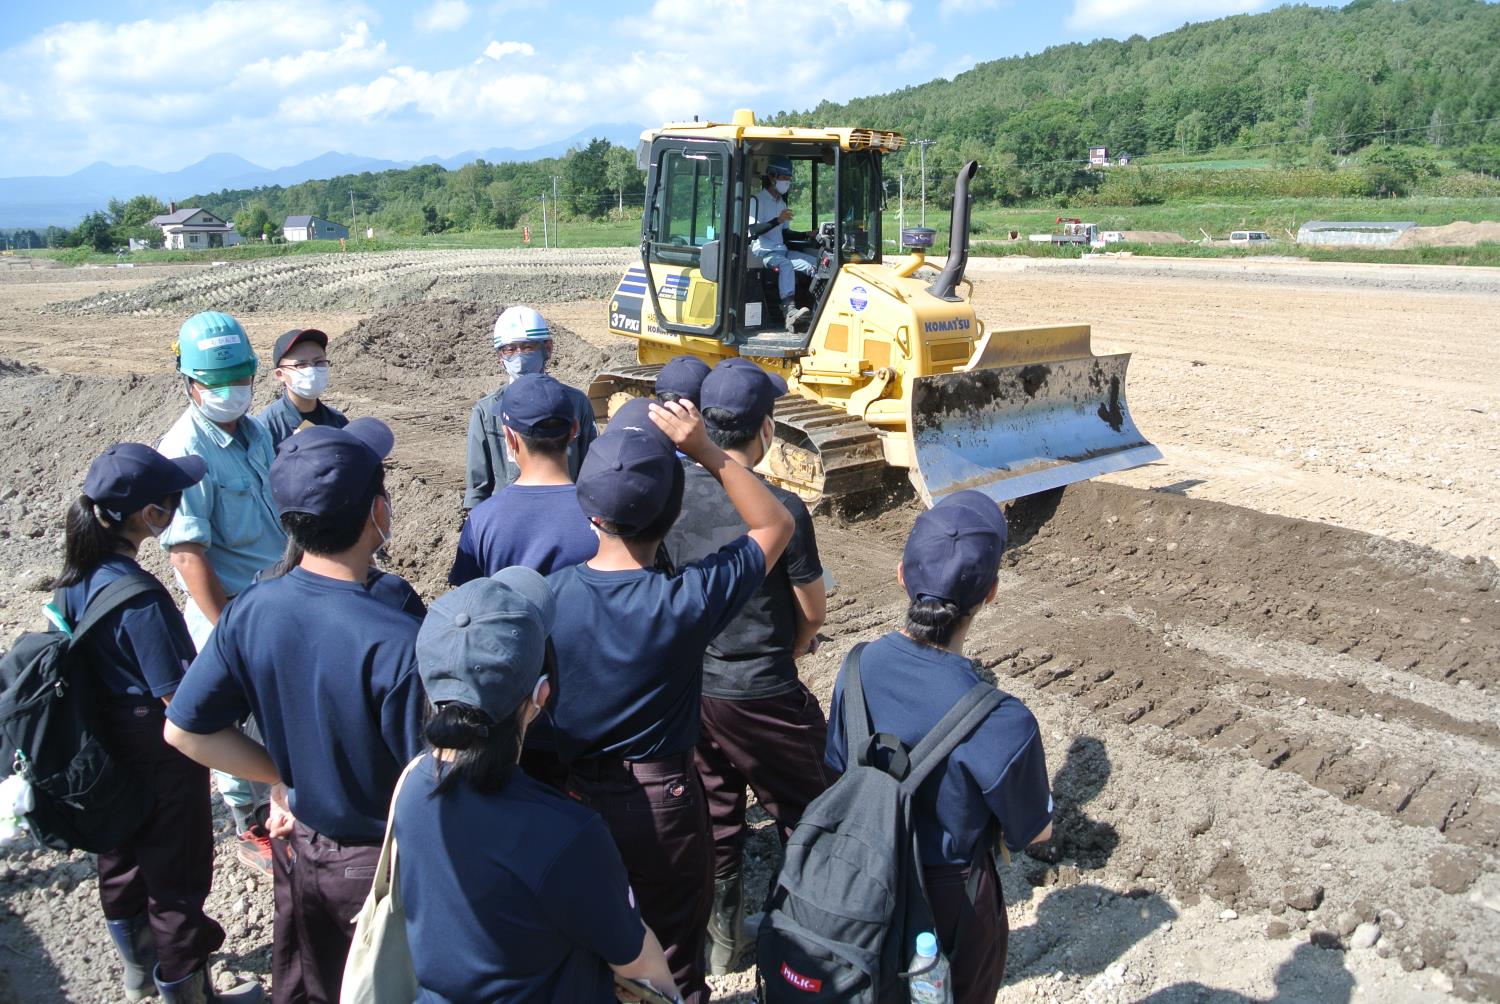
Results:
820 452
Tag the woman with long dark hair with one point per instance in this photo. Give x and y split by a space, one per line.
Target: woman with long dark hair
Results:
152 887
512 891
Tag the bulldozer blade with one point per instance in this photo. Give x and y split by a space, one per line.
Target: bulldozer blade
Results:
1012 431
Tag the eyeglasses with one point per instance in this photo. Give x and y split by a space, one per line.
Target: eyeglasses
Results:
314 364
519 348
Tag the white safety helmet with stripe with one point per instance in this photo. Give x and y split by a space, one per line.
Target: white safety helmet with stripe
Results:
520 324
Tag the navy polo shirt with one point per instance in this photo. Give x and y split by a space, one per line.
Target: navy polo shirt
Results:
518 895
394 591
539 526
999 772
281 418
752 657
630 659
140 652
330 674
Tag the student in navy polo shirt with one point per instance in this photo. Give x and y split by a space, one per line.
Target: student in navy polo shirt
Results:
761 725
535 520
329 671
301 357
152 887
512 891
630 673
997 778
681 379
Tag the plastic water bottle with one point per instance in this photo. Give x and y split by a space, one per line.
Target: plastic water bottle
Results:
929 973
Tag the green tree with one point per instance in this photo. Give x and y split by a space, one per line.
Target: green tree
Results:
621 173
587 174
94 233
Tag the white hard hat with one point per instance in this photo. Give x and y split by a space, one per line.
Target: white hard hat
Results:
520 324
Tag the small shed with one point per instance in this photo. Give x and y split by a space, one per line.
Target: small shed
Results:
1098 156
1337 233
312 228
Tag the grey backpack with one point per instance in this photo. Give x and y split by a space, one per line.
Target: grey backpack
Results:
850 899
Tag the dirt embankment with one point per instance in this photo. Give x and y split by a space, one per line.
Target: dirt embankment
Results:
1460 234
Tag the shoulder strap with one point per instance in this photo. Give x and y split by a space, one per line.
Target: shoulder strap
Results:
953 728
385 869
111 598
856 711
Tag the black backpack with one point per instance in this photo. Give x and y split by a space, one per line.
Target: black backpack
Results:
85 800
842 919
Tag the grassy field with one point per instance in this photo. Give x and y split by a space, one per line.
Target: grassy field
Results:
991 224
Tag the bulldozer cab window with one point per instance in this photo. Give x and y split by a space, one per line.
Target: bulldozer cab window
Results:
859 208
690 205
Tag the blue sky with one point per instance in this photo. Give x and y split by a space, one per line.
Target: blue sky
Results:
161 84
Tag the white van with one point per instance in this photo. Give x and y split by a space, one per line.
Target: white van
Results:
1249 237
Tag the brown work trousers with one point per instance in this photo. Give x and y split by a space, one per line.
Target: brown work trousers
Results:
166 867
773 745
655 811
320 885
978 967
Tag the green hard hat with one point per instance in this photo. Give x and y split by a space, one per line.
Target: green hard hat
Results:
214 350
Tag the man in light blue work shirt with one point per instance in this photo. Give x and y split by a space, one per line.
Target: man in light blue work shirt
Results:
226 528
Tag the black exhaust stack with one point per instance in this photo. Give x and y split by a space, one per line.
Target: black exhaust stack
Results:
958 237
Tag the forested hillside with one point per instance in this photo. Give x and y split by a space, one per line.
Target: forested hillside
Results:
1278 85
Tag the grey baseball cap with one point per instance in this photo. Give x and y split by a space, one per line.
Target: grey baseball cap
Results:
482 644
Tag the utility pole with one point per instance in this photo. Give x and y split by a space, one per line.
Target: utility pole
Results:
353 217
922 145
901 201
545 242
556 227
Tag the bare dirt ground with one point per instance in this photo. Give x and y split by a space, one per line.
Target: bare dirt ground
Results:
1265 669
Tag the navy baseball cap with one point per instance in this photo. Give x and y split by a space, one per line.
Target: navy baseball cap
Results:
285 342
682 376
743 389
536 405
483 643
987 508
630 474
324 471
127 477
953 554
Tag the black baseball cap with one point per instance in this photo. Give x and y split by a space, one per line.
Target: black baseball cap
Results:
483 644
953 554
682 376
285 342
743 389
325 471
631 472
127 477
535 405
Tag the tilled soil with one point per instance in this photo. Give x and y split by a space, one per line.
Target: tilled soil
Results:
1262 731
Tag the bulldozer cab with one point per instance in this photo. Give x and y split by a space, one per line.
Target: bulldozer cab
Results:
698 274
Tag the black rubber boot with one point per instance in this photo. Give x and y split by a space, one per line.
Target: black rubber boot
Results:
197 988
137 950
726 925
794 314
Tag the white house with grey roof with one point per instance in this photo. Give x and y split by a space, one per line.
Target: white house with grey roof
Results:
195 229
312 228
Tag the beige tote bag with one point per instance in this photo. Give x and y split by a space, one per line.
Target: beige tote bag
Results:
379 969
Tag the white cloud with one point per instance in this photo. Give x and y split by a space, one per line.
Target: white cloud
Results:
1143 16
442 15
354 52
950 7
499 50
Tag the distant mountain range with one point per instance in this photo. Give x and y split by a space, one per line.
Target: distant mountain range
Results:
42 201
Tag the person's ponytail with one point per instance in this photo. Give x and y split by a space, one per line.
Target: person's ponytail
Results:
485 751
932 621
89 536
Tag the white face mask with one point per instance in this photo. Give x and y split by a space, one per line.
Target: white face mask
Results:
390 527
523 363
156 531
766 441
783 186
308 382
224 404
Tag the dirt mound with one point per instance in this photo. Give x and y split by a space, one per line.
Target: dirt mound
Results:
1154 237
1460 234
372 281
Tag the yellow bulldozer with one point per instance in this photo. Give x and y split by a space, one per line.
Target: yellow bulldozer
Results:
893 368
